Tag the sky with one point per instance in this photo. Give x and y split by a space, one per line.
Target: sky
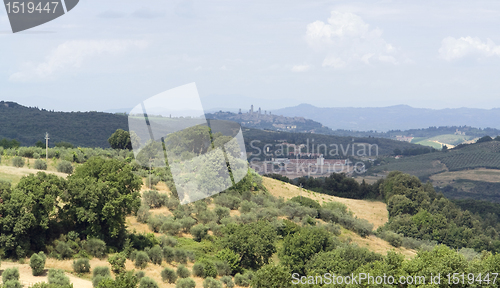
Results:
107 55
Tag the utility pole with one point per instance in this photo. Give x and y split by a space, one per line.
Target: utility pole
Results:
47 146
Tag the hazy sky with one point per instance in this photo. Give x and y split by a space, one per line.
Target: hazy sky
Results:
113 54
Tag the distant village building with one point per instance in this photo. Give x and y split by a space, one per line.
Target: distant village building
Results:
458 132
404 138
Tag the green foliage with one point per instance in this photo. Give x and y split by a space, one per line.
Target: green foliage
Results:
117 262
125 280
308 202
147 282
156 254
12 284
180 256
168 254
183 272
65 167
210 282
57 277
242 280
139 275
231 258
272 276
254 242
199 232
141 260
205 268
37 263
120 139
81 265
199 270
96 247
99 274
107 191
228 281
169 275
40 164
185 283
10 274
17 161
154 199
300 247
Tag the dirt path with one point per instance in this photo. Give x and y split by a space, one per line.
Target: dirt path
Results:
26 278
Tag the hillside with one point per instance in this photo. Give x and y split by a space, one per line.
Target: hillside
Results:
86 129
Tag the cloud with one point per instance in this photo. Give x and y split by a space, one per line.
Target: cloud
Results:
300 68
111 14
72 55
347 40
146 13
452 48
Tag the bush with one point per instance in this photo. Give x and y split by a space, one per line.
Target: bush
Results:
12 284
221 212
168 275
199 270
65 167
186 223
117 262
40 165
168 254
183 272
231 258
241 280
229 201
37 263
17 162
271 276
211 283
186 283
96 248
147 282
139 275
81 265
247 206
156 255
223 268
10 274
143 214
199 232
228 281
180 256
141 259
63 250
209 268
153 199
58 278
99 274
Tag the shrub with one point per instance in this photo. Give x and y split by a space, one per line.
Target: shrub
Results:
58 278
180 256
209 268
81 265
147 282
65 167
102 271
139 275
36 155
199 270
229 201
117 262
241 280
186 223
247 206
96 247
153 199
168 254
156 254
40 165
270 276
186 283
211 283
199 232
143 214
10 274
183 272
17 161
37 263
12 284
141 259
168 275
171 226
228 281
223 268
231 258
63 250
221 212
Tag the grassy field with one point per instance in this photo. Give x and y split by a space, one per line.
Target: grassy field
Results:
432 144
481 174
13 174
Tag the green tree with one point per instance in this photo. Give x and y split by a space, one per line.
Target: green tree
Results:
124 280
272 276
102 192
120 140
254 242
37 263
117 262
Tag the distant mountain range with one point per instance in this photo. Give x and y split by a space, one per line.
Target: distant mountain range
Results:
400 117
